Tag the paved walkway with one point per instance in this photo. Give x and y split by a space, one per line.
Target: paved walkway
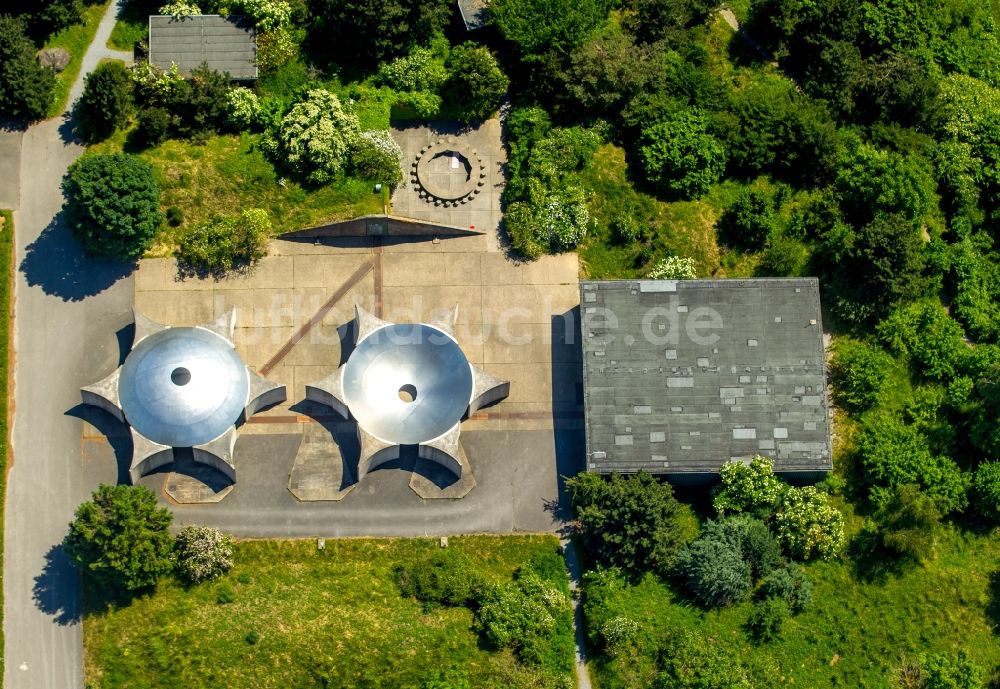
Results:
62 300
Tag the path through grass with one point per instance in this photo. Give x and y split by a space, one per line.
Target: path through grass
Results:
75 39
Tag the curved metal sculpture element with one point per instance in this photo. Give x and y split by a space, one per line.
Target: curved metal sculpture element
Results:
407 384
183 387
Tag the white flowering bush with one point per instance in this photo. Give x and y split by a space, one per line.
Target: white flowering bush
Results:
203 553
266 14
152 83
673 268
513 615
747 487
376 155
617 633
418 71
179 8
314 139
807 525
243 108
275 48
563 219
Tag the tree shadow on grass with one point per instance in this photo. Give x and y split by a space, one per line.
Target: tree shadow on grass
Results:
57 263
57 587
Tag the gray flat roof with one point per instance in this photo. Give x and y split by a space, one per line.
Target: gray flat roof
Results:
681 376
475 13
227 44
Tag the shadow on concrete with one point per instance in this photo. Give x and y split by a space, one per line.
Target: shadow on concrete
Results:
347 242
125 336
57 588
185 465
567 405
342 432
116 432
57 263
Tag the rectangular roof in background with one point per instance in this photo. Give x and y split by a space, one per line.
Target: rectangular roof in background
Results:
681 376
227 44
475 13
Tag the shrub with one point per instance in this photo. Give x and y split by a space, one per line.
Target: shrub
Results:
947 671
154 127
860 372
180 8
25 86
424 103
106 101
693 662
749 488
767 620
908 520
749 221
929 336
243 109
175 216
121 539
633 522
986 490
418 71
624 228
617 634
893 453
751 537
225 243
199 105
808 527
714 571
790 584
268 15
442 577
113 204
375 155
783 257
517 615
225 595
314 137
203 553
550 222
680 155
476 84
673 268
275 49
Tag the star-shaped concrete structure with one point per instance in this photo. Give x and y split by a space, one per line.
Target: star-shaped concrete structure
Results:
183 387
408 384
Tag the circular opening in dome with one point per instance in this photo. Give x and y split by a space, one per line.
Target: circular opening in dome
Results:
180 376
408 393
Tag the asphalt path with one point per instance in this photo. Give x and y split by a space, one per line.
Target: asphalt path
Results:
67 310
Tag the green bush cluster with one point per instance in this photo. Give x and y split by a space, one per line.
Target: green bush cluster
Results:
442 577
225 243
681 156
106 102
25 86
113 204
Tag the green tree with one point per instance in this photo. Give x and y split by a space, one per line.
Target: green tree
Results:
376 155
808 526
715 572
873 182
25 86
225 243
929 336
373 31
749 221
790 584
893 454
106 101
633 522
314 138
539 26
908 520
860 373
986 490
113 204
476 84
120 538
948 671
679 155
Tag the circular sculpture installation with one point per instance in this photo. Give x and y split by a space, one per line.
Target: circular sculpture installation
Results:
183 387
446 173
408 384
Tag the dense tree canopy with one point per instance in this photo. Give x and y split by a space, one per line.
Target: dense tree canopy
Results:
106 101
539 26
681 156
113 204
25 86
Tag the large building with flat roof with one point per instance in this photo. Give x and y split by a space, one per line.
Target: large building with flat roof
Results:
681 376
225 44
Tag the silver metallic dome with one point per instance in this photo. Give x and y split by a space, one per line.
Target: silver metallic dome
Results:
183 386
407 383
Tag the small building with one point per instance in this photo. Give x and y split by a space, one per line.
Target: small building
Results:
475 13
225 44
681 376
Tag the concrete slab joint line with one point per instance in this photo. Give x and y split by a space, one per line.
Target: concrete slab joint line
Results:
183 387
409 384
318 317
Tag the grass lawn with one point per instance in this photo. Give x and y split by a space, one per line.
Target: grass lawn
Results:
301 617
682 228
75 39
227 173
133 24
6 263
855 634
